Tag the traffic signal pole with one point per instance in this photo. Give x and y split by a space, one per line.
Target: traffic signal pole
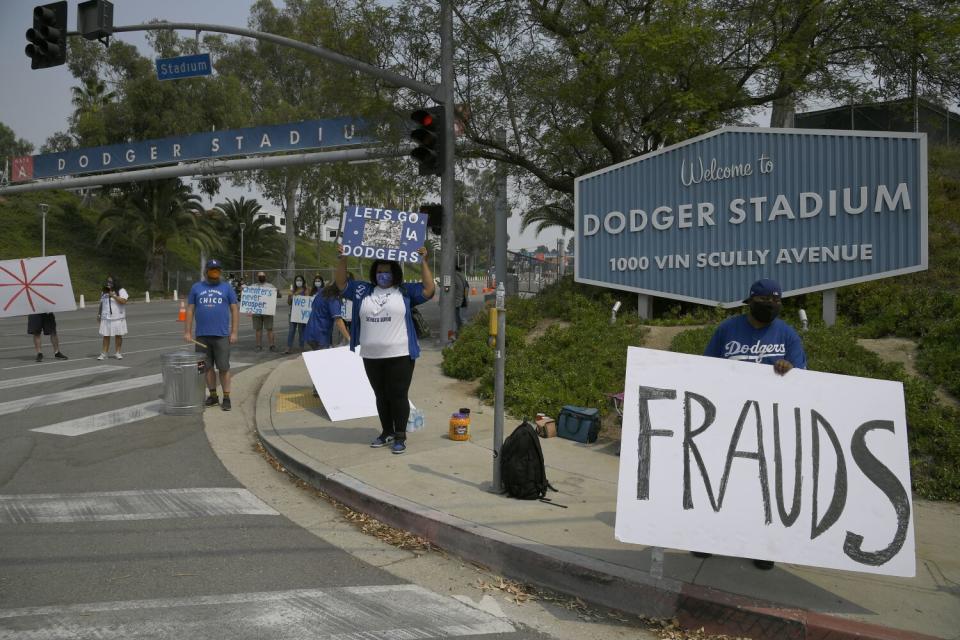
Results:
449 256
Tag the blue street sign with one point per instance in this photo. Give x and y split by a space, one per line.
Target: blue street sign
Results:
184 67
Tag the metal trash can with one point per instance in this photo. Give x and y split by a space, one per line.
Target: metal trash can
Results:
183 383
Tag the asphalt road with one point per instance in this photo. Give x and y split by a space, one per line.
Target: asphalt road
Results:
120 522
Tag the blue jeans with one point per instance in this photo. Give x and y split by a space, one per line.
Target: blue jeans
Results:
294 328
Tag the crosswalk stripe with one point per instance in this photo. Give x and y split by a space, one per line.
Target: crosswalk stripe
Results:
152 504
58 375
60 397
105 420
407 612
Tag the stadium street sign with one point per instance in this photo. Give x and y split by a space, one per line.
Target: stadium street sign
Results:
251 141
184 67
700 220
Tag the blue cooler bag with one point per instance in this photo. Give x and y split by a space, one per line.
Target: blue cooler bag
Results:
578 423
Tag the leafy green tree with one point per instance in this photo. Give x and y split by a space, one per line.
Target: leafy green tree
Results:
11 146
287 86
149 215
261 240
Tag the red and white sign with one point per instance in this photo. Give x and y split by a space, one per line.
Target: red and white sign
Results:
35 285
22 169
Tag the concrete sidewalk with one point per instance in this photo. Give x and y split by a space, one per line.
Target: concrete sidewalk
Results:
440 489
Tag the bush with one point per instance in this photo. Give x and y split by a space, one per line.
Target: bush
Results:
932 433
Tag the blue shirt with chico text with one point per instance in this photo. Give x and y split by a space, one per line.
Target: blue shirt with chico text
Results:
212 307
737 339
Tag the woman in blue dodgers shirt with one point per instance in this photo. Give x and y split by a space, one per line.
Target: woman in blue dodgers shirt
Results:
383 327
759 336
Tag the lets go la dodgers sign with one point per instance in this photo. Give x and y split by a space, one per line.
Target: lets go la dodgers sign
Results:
701 220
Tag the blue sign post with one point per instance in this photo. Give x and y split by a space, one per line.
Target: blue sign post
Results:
701 220
384 234
184 67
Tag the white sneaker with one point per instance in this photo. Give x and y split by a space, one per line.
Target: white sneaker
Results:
118 355
102 356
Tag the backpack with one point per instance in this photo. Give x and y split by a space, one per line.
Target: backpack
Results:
522 471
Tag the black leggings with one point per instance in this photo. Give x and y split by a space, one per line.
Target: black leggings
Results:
390 379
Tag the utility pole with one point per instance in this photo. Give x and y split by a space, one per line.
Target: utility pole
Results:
243 225
447 262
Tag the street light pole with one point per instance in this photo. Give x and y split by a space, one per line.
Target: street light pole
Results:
43 228
243 225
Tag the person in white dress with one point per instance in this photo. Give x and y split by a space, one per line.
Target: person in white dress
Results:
112 316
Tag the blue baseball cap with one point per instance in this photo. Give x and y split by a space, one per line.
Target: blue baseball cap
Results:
764 287
213 263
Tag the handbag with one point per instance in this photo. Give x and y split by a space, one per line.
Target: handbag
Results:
420 323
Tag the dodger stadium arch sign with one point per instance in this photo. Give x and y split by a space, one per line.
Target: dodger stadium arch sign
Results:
701 220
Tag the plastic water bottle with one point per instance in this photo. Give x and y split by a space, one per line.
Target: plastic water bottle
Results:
415 421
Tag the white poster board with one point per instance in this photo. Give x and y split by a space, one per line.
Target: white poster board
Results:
259 300
709 462
35 285
342 383
300 309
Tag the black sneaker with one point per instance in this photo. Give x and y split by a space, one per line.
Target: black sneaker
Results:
763 565
225 405
60 356
39 357
273 347
212 401
381 441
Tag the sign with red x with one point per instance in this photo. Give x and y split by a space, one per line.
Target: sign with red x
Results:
35 285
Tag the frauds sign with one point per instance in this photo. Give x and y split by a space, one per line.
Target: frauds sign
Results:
700 220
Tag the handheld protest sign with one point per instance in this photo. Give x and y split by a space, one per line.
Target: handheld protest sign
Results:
300 311
727 457
35 285
384 234
261 301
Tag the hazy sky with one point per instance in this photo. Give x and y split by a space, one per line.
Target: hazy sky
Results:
35 104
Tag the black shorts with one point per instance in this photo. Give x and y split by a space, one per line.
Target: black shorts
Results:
45 322
217 352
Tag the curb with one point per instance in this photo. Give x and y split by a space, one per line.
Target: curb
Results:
592 580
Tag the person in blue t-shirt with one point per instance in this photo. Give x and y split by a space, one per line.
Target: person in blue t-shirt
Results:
326 315
759 336
214 305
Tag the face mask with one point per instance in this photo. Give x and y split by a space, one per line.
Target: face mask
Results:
298 284
765 311
261 278
318 283
384 279
109 284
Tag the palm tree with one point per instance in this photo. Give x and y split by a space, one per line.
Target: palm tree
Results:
261 239
152 214
552 214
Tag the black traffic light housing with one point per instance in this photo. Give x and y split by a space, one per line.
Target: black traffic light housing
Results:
434 213
430 139
48 38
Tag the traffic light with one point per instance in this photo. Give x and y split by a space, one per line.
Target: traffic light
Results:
430 139
434 213
48 38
